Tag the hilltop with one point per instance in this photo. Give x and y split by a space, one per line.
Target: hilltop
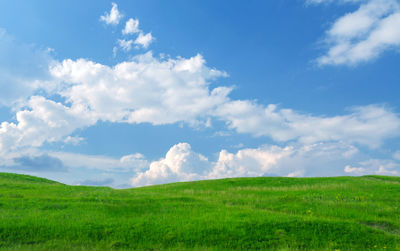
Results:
358 213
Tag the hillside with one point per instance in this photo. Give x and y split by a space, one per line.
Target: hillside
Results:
358 213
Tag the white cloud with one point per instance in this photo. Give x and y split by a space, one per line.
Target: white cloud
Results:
364 34
44 121
180 164
127 164
368 125
143 90
131 27
354 170
144 40
73 140
113 17
374 166
156 91
322 159
126 45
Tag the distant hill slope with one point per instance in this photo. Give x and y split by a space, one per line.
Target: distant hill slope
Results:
338 213
7 178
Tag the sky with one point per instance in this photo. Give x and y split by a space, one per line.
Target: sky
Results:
136 93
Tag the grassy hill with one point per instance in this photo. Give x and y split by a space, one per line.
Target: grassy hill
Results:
340 213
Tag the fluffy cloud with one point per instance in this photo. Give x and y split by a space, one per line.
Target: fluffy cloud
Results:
44 121
364 34
131 27
113 17
179 164
321 159
143 90
151 90
144 40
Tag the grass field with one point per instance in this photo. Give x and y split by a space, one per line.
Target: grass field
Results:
340 213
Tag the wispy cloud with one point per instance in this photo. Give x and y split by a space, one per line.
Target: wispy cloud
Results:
23 69
364 34
37 164
126 45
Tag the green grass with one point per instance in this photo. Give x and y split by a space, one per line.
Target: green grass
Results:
346 213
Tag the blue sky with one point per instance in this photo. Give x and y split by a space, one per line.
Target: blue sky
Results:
133 93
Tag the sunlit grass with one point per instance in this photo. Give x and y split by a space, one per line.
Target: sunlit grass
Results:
343 213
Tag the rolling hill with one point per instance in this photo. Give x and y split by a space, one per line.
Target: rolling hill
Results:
338 213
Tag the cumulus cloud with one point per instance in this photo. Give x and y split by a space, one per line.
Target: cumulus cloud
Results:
144 40
165 91
181 163
113 17
44 121
131 27
364 34
145 89
142 90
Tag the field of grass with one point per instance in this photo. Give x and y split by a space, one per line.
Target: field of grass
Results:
340 213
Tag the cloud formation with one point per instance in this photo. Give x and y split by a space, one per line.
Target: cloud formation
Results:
113 17
126 45
364 34
131 27
147 89
157 91
367 125
295 160
144 40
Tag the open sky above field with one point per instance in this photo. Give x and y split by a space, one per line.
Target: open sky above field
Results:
133 93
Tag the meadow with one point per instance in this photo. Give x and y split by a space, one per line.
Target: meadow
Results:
266 213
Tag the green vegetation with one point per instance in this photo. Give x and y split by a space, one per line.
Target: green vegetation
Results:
341 213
